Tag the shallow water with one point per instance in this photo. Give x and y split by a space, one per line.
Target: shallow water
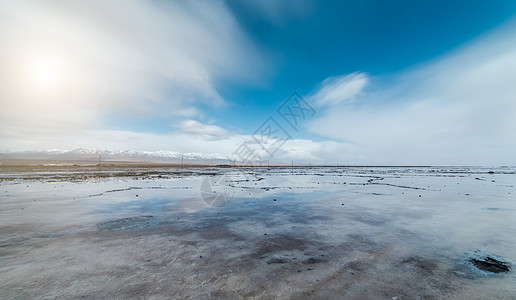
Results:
350 233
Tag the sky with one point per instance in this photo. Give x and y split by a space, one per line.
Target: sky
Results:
350 82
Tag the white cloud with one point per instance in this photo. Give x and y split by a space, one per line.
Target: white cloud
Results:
198 128
459 109
339 89
304 151
139 60
194 137
136 59
148 59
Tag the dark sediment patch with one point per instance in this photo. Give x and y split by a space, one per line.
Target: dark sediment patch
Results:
132 223
399 186
370 219
358 266
313 260
490 264
281 243
357 242
217 231
421 264
276 260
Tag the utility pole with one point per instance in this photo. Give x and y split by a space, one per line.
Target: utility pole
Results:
100 157
182 162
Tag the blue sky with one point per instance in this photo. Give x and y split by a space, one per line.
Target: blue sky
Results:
304 46
391 82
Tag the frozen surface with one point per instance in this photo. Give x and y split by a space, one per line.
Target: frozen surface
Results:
350 233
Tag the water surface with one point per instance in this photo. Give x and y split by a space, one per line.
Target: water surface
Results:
350 233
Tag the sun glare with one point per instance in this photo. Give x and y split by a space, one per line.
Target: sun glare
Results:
45 72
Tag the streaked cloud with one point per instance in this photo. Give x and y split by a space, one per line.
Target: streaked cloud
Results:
133 60
340 89
459 109
198 128
214 145
153 75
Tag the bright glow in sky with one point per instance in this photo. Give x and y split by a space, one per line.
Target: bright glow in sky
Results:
389 84
44 72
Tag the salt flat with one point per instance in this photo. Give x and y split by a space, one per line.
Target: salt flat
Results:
257 233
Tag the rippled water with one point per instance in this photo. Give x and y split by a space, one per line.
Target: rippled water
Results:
353 233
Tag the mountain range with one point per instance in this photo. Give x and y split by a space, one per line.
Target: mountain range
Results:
94 155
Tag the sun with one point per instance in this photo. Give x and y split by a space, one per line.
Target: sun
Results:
45 72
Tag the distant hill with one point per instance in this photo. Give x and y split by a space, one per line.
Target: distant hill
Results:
93 156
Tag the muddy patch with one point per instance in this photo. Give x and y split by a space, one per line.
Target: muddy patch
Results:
490 264
277 260
132 223
425 266
274 244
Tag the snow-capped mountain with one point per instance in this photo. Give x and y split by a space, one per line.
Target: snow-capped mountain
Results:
93 155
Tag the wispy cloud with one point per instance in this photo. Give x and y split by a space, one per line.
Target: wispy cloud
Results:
340 89
166 62
206 141
139 59
459 109
198 128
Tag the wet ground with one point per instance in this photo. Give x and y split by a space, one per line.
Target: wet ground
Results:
290 233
